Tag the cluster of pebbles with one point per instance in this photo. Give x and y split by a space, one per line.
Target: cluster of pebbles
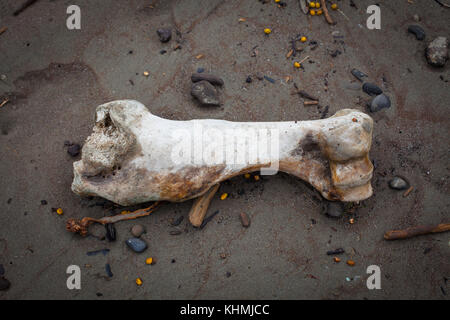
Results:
437 50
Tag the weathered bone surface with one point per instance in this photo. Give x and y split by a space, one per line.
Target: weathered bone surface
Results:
128 157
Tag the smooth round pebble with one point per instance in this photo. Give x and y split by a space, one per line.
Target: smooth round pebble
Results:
371 89
380 102
137 245
398 183
137 230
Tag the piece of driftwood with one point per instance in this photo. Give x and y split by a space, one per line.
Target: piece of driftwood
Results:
416 231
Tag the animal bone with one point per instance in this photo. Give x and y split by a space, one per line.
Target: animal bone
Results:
129 157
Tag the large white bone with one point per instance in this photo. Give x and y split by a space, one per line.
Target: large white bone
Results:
129 157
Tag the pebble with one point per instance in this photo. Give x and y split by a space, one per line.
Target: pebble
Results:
380 102
2 270
137 245
417 31
335 252
371 89
196 77
249 79
398 183
437 52
175 232
4 283
108 270
358 74
333 209
245 220
111 233
137 230
416 18
205 92
74 150
164 34
259 76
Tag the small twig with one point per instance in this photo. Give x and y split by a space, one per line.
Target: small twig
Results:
408 192
4 102
325 11
416 231
310 103
442 4
303 60
24 7
341 12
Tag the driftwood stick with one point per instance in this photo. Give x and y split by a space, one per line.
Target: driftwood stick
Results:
416 231
81 226
326 13
200 206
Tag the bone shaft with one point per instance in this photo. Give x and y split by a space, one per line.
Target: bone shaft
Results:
416 231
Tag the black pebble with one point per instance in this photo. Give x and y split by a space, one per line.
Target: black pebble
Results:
334 252
164 34
228 274
417 31
110 232
4 284
177 221
108 270
358 74
371 89
74 150
2 270
44 202
163 51
248 80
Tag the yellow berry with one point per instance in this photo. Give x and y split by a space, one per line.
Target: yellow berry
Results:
256 178
312 12
146 73
297 64
267 31
319 12
277 1
312 5
149 261
317 5
334 6
59 211
303 39
247 176
351 263
139 281
224 196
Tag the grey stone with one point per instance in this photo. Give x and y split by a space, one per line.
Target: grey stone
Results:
437 52
205 92
380 102
398 183
137 245
164 34
371 89
137 230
